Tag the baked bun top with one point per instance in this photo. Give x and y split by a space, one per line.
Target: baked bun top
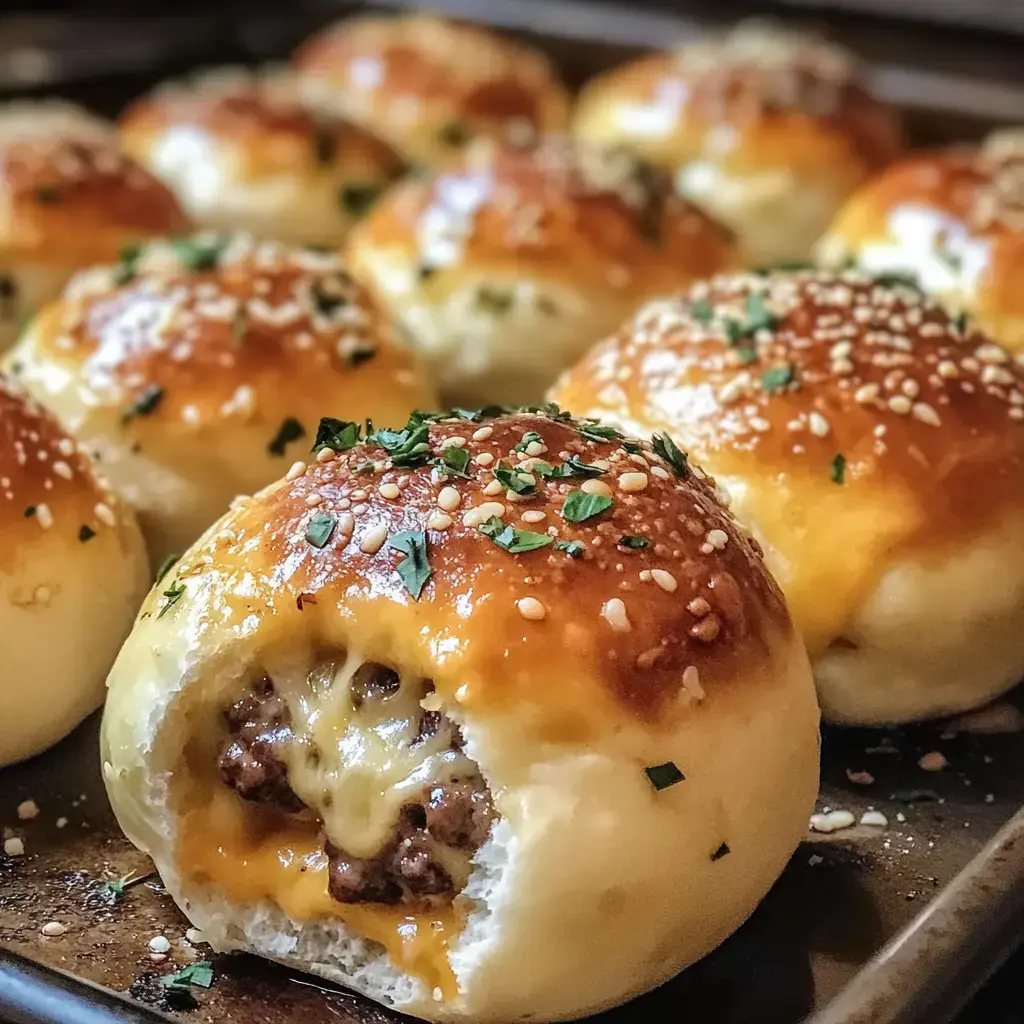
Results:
956 218
259 118
759 96
428 85
514 558
72 200
586 217
218 329
50 117
48 488
850 417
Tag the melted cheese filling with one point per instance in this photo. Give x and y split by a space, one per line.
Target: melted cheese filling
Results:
355 767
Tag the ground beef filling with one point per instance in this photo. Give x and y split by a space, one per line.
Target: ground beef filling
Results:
448 823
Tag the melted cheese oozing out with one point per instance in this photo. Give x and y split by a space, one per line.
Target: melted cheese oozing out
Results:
252 855
357 767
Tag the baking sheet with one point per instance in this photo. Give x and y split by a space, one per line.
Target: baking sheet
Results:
844 895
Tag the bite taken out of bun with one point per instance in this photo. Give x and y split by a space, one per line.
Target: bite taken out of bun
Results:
490 718
875 446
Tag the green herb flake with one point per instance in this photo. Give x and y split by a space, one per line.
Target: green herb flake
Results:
778 378
356 200
573 548
759 316
580 506
327 302
337 435
722 851
786 267
599 432
364 469
165 567
174 594
573 466
86 533
198 253
290 430
145 404
514 480
48 194
113 890
746 354
454 133
30 511
701 311
414 568
515 541
897 279
961 322
426 271
495 302
530 437
662 776
665 447
320 528
408 447
178 984
124 269
837 469
453 461
634 541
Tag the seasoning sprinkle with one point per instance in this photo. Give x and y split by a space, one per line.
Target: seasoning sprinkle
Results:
661 776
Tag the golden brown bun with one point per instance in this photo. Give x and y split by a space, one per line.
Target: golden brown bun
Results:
768 129
570 666
507 265
242 153
428 85
70 201
194 367
875 447
73 572
955 220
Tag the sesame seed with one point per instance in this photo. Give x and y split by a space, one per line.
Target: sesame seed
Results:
818 424
484 459
707 629
371 541
14 847
453 442
389 491
27 810
992 354
159 944
535 448
597 487
841 350
698 606
534 516
875 818
717 539
933 761
531 608
483 434
44 515
314 498
439 521
449 499
926 414
62 469
632 482
899 404
475 516
53 929
614 613
661 474
493 489
691 682
665 580
866 393
995 375
326 455
948 369
597 463
296 470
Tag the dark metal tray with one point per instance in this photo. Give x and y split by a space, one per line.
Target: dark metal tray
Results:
868 925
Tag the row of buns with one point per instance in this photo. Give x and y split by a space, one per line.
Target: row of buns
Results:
511 712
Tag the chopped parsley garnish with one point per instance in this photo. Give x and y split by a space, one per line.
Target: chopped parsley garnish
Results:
112 891
635 541
30 511
759 316
664 775
599 432
198 253
177 985
493 301
124 270
320 528
668 450
173 594
722 850
837 469
961 320
86 533
514 479
573 466
915 796
407 447
454 133
701 311
358 356
290 430
778 378
48 194
426 271
363 469
357 199
165 567
414 569
327 302
146 403
786 267
530 437
573 548
897 279
338 435
512 540
453 461
580 506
